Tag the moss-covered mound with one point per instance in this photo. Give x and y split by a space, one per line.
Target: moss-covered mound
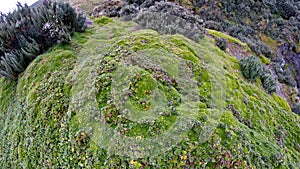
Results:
120 97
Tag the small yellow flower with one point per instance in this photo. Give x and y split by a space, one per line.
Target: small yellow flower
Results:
138 138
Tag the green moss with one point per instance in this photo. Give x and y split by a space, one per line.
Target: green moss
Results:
269 41
229 38
7 93
40 66
51 122
280 101
103 20
264 60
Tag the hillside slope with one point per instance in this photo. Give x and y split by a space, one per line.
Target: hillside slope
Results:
123 97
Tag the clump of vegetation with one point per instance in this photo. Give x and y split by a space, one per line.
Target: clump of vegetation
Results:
221 43
169 18
108 8
284 75
260 48
296 108
164 23
286 9
268 81
28 32
138 2
250 67
164 17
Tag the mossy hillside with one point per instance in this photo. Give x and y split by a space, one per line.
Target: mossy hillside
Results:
43 127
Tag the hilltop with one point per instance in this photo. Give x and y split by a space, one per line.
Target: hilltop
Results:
123 96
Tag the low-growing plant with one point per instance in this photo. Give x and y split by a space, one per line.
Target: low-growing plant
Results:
251 67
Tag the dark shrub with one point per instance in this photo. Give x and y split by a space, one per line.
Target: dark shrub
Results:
110 8
27 32
250 67
285 75
169 18
138 2
164 17
221 43
213 25
259 47
286 9
296 108
268 81
128 12
168 24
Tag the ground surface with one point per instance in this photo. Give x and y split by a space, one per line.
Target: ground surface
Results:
70 107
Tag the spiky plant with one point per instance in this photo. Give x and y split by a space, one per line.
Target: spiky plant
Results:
27 32
250 67
268 81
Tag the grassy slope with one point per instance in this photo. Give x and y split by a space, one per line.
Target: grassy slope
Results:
41 125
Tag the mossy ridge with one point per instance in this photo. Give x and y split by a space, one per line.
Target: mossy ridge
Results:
227 37
260 110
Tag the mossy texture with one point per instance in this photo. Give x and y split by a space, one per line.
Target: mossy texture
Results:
52 117
231 39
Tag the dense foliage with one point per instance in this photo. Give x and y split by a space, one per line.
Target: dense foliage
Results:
28 32
164 23
164 17
296 108
221 43
268 81
284 75
251 67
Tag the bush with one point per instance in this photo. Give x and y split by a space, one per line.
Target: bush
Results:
27 32
260 48
169 18
286 9
128 12
250 67
176 10
213 25
268 81
161 16
221 43
109 8
296 108
138 2
164 23
285 75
